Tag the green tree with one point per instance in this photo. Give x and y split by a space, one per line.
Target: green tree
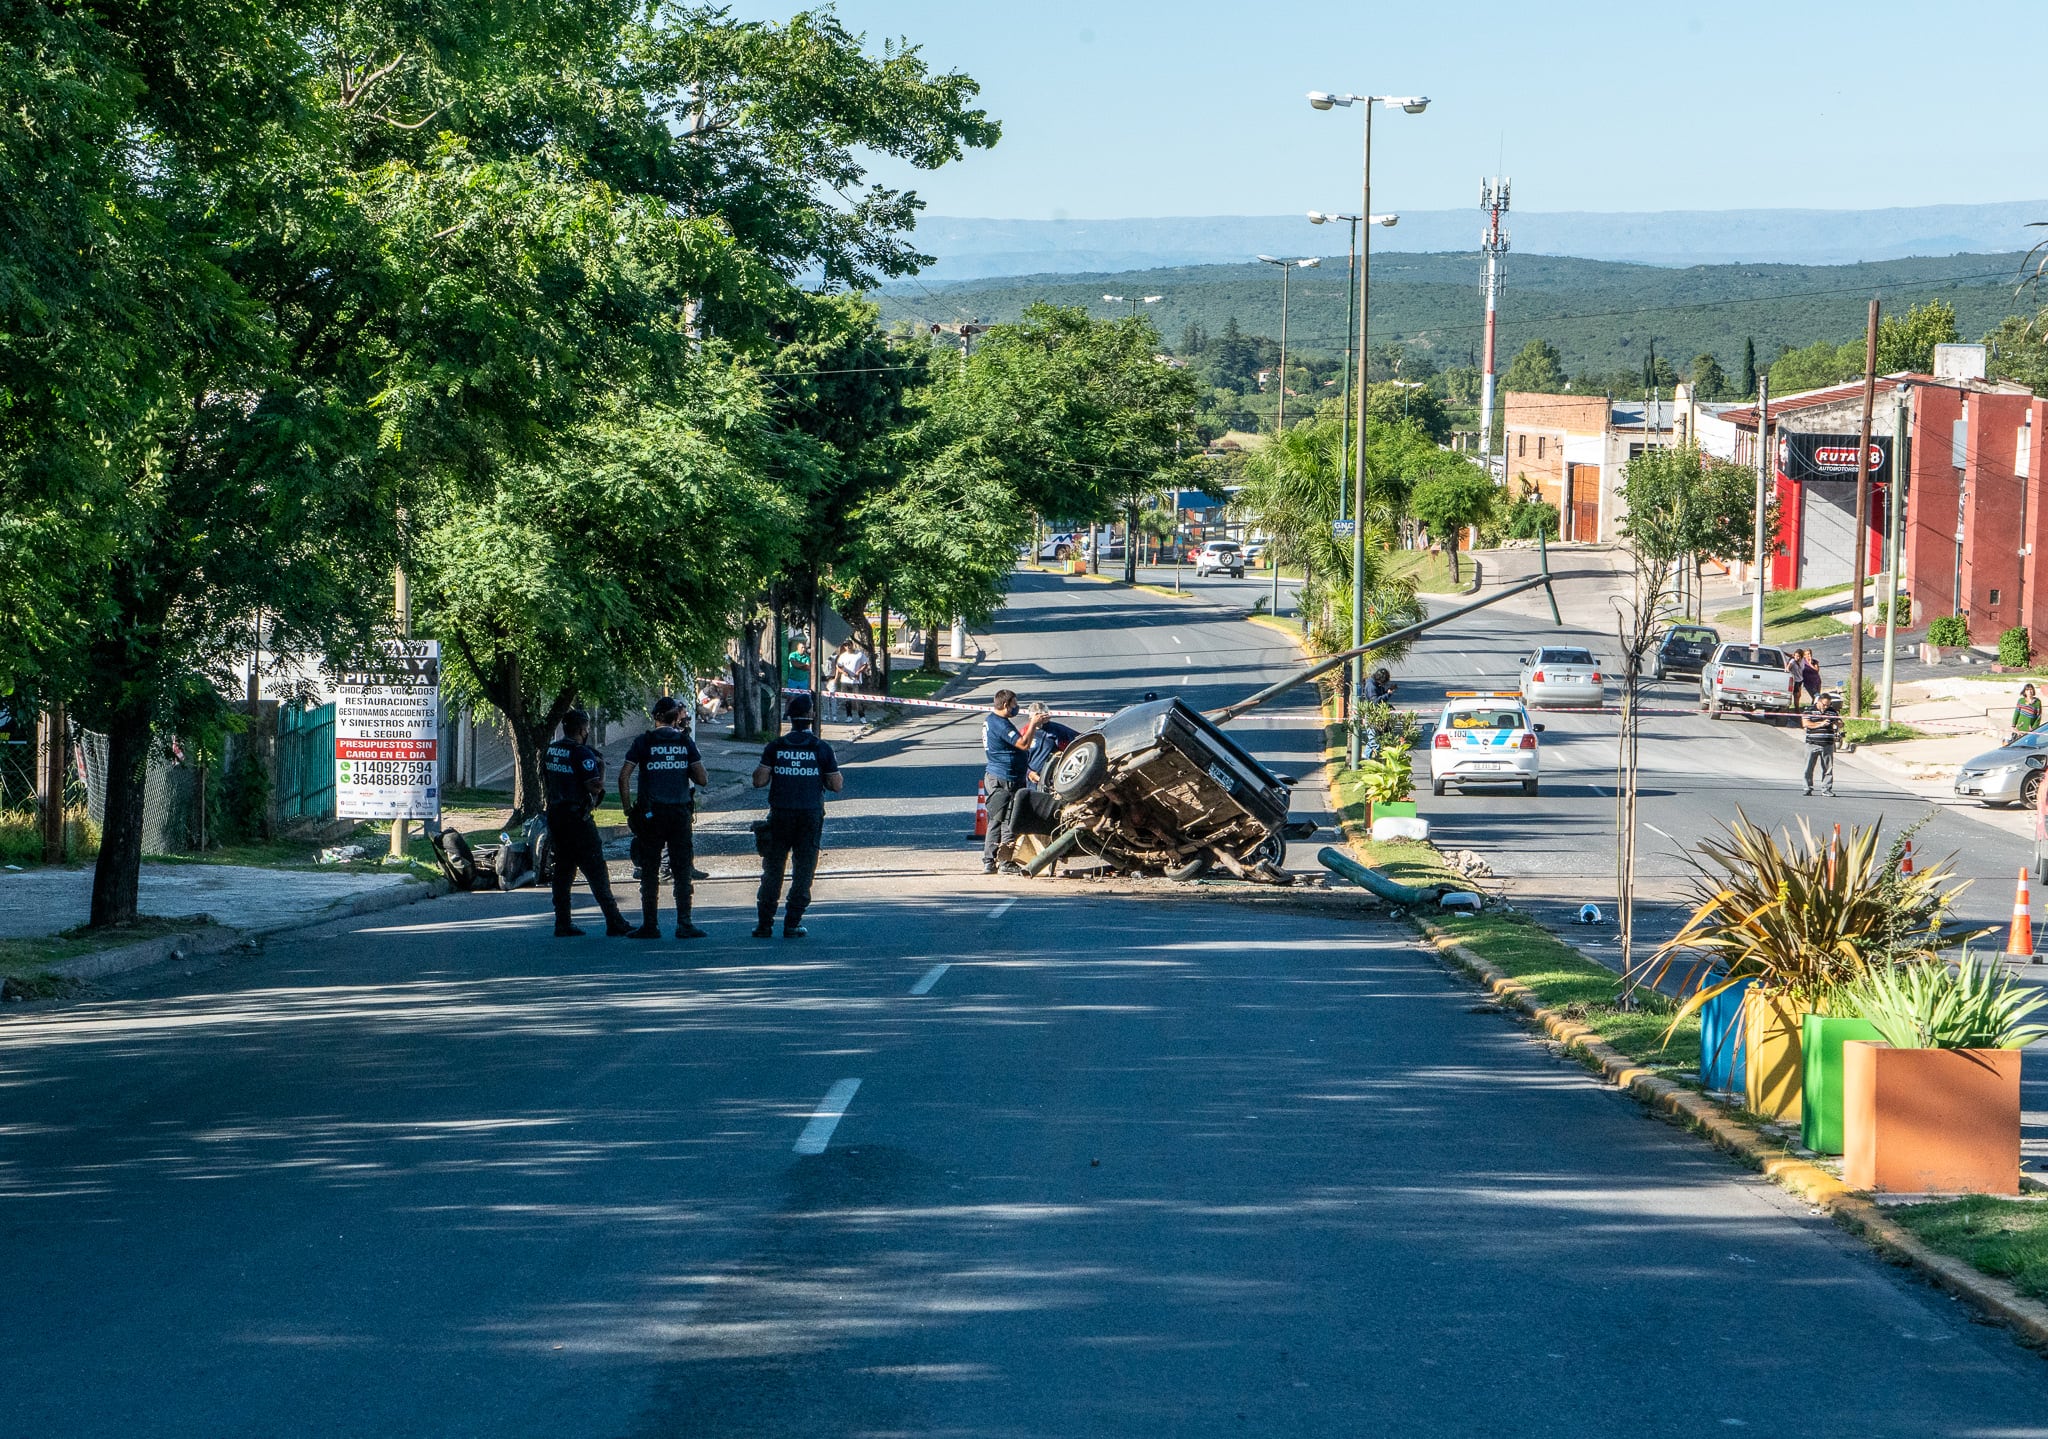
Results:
1450 503
1746 377
1683 503
1537 369
1292 490
1394 403
1657 371
2018 351
1908 344
1815 367
1709 380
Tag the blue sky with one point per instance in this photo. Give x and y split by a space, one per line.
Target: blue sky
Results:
1192 108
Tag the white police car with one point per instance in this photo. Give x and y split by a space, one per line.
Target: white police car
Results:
1484 737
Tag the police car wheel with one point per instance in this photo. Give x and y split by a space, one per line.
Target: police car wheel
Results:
1080 769
1529 786
1436 787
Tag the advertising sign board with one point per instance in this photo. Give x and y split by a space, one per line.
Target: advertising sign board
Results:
387 720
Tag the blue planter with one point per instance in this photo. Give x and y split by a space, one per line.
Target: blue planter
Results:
1723 1056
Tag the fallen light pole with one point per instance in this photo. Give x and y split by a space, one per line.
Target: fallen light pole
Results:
1329 662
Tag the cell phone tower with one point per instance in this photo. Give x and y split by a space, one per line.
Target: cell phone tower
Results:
1493 241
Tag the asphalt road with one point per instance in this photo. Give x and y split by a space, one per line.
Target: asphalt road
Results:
1114 1164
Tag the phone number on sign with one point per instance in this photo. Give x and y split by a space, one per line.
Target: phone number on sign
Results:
379 772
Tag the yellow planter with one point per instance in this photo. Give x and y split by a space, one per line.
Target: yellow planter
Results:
1771 1026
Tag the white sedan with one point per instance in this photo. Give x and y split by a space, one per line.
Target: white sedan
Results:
1484 737
1562 675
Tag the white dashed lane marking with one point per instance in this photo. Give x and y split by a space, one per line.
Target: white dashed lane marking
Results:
818 1133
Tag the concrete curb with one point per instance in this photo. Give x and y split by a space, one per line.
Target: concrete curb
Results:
2028 1318
213 939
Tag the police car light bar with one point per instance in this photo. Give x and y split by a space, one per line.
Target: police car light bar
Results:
1483 694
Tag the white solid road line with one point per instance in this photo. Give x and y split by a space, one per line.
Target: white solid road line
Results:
818 1133
931 977
1002 909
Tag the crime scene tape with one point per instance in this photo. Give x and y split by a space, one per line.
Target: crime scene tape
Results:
854 697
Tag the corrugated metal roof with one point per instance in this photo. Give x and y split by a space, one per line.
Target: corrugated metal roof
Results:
1745 416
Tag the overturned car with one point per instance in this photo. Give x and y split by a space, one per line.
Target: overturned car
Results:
1158 789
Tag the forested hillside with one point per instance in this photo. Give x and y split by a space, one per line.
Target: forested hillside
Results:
1602 316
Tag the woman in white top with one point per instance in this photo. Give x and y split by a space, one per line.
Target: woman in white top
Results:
850 676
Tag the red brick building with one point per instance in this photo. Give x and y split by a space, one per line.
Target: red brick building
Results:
1976 519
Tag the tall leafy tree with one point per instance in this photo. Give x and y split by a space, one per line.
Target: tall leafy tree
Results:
1746 377
1908 343
1709 380
1536 369
1451 503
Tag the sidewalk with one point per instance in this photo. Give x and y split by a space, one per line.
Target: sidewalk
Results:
42 902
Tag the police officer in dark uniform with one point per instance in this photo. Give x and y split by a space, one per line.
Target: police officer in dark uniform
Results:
575 780
797 770
667 762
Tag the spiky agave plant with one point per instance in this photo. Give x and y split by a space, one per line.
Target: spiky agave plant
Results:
1981 1005
1803 916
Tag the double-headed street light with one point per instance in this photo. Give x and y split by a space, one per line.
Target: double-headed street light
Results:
1280 419
1132 300
1319 217
1413 105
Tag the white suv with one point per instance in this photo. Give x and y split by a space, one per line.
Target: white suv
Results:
1222 556
1484 737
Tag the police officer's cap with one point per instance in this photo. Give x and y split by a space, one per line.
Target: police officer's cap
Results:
665 707
799 708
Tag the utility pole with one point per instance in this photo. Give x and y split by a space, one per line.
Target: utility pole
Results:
1862 531
1894 509
1763 470
401 594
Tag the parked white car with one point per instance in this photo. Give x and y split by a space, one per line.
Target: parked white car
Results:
1219 557
1484 737
1562 675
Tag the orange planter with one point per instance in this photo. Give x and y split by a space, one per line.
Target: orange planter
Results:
1930 1121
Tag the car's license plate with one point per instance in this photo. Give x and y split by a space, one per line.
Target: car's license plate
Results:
1222 777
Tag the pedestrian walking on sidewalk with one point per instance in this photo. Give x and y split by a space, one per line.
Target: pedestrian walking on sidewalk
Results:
796 770
574 774
1823 730
667 762
2026 714
1006 749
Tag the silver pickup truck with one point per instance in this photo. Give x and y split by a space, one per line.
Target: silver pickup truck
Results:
1746 677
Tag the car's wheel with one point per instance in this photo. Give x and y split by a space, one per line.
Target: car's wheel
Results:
2030 790
1271 850
1529 786
1436 787
1195 868
1080 769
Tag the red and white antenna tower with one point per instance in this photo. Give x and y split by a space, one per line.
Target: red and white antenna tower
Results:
1493 199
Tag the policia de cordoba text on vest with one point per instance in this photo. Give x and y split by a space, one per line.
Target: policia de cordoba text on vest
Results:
667 762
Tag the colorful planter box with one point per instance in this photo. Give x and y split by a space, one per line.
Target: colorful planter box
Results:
1776 1071
1398 808
1930 1121
1820 1096
1723 1065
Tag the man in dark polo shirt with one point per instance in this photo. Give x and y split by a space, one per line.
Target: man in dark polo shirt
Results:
667 762
1007 751
796 770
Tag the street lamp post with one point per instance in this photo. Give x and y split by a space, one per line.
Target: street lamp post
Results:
1130 539
1413 105
1280 418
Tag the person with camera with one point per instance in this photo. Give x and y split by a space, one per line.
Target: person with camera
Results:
667 761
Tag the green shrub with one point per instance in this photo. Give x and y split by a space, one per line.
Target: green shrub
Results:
21 837
2015 649
1904 618
1529 517
1982 1005
1951 631
1389 778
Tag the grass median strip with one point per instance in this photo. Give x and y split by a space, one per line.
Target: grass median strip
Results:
2005 1238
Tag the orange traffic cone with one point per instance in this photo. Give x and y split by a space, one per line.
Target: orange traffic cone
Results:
2022 941
981 810
1906 859
1834 850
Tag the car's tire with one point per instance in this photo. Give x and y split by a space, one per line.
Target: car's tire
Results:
1272 850
1436 787
1194 868
1529 786
2030 791
1081 769
1237 574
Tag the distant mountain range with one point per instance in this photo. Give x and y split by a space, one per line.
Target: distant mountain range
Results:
970 249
